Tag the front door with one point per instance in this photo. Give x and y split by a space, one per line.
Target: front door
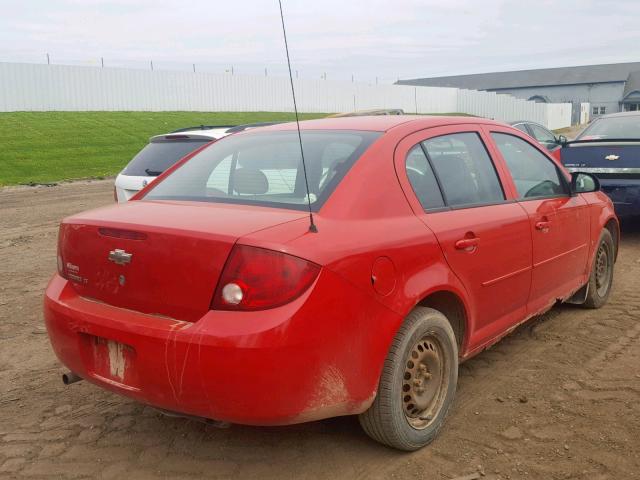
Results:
485 237
559 222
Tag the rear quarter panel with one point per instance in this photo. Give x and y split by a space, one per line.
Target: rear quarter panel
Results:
366 219
601 212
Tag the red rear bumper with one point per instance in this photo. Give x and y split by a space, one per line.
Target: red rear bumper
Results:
317 357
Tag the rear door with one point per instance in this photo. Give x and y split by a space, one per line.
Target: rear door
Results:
484 235
559 222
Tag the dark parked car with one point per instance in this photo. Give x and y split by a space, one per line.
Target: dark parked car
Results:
609 148
542 134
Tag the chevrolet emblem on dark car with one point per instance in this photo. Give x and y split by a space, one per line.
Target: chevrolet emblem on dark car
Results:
120 257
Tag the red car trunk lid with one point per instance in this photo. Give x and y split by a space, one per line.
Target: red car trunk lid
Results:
160 258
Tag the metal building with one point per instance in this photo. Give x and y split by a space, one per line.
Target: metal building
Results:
607 88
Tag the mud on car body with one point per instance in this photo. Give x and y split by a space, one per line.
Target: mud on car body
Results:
209 295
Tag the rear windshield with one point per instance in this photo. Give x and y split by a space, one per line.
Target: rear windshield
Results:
157 156
266 169
623 128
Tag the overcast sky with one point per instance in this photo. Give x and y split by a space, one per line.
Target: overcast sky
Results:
386 39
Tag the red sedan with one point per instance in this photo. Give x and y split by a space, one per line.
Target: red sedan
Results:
210 294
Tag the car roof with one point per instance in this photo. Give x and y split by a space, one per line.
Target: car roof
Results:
620 114
199 134
202 127
518 122
208 132
373 111
379 123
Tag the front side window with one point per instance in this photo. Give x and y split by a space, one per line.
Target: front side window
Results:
543 135
533 173
266 169
464 169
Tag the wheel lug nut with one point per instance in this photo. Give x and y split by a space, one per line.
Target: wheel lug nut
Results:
427 375
417 383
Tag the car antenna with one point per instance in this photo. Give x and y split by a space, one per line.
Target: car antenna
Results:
312 225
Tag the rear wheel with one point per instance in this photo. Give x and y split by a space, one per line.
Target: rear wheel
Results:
417 385
601 277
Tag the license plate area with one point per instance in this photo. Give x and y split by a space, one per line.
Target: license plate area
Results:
110 361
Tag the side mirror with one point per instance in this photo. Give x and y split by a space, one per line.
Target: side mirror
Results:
562 140
584 183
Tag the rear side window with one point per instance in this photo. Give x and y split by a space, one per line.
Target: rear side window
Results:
157 156
423 180
464 170
533 173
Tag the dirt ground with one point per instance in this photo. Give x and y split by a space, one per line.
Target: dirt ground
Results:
572 131
557 399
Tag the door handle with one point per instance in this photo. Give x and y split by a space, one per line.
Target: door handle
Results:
468 244
543 225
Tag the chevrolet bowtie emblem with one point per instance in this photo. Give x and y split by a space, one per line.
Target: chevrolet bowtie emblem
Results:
120 257
612 157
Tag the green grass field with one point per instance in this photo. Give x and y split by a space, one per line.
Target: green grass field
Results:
44 147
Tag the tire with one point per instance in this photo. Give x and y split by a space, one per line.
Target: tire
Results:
601 278
422 368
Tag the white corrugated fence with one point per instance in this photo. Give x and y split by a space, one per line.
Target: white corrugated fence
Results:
36 87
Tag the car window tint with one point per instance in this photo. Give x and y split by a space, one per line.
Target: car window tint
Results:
621 128
265 168
157 156
534 174
464 169
334 160
422 180
277 161
542 135
219 178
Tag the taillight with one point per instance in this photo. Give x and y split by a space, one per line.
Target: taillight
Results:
61 270
256 279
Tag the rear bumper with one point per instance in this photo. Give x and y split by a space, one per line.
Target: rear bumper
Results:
300 362
625 194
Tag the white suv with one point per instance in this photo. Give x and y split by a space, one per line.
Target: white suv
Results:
163 151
